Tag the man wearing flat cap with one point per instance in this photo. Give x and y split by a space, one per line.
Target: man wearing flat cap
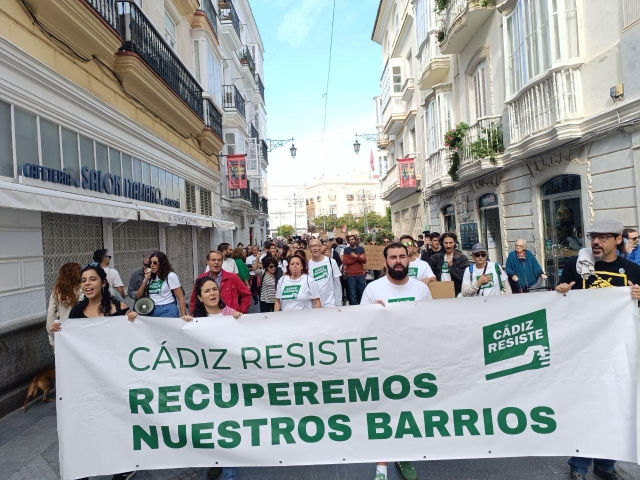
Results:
608 270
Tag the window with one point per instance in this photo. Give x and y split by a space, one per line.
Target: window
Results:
438 122
87 158
397 79
383 165
50 144
102 158
332 210
6 150
127 167
114 163
319 198
538 33
349 197
26 138
478 92
170 31
422 21
449 213
70 158
229 141
205 202
214 76
190 193
196 54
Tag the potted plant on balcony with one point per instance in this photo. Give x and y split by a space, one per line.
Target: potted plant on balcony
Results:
454 140
440 5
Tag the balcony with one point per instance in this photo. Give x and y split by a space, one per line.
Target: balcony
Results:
230 24
256 202
206 16
434 66
260 86
483 148
436 172
234 103
545 111
383 139
265 151
393 115
462 19
248 63
253 131
408 88
264 205
240 194
389 182
89 27
147 67
211 137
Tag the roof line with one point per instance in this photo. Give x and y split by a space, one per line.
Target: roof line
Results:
375 24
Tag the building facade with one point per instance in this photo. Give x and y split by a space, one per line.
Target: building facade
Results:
400 129
336 197
288 207
112 126
541 112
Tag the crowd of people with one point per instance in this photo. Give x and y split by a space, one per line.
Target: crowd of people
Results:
300 274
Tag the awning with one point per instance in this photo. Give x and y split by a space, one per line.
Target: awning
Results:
178 218
223 224
27 197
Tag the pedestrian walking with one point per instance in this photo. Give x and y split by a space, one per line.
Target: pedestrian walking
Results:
432 247
325 272
162 285
137 278
449 264
64 296
229 263
116 287
243 270
396 286
418 268
296 290
233 291
523 268
485 278
271 275
354 258
608 270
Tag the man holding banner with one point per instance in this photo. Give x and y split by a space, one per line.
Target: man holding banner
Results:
397 286
608 270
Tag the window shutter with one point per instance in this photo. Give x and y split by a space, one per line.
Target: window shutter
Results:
253 169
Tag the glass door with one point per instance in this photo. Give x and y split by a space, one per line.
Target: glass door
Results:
563 233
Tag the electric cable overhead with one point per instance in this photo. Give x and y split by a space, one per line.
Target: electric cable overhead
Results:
326 94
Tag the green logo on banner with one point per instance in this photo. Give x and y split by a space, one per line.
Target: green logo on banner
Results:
403 299
517 344
413 272
290 292
321 272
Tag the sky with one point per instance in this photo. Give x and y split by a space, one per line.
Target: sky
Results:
296 35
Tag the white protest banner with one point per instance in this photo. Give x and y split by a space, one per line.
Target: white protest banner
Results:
523 375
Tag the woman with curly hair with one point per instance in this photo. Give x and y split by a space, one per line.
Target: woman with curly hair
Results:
163 287
64 296
296 290
238 256
208 301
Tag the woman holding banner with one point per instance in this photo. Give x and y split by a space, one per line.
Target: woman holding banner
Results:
296 290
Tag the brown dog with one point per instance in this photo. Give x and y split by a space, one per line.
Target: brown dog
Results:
42 381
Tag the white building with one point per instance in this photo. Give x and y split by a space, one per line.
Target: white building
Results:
550 145
287 205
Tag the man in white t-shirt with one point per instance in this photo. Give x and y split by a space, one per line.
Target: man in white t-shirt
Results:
418 269
326 273
116 287
395 287
485 278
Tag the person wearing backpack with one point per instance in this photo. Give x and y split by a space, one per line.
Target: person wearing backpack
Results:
485 278
162 286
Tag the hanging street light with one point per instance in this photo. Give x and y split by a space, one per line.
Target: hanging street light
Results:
369 137
293 150
279 143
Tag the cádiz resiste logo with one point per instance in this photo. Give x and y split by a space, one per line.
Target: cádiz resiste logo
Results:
516 345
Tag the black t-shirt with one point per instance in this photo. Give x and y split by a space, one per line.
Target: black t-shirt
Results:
78 311
607 274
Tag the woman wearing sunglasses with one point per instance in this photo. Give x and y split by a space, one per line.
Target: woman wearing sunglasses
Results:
485 278
163 287
270 278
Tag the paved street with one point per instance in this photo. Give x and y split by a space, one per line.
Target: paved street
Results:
29 451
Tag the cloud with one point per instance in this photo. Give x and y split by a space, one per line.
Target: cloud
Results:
298 21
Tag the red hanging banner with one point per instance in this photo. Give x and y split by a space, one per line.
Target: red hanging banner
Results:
237 171
407 172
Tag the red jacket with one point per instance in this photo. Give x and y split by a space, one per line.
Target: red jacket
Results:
231 288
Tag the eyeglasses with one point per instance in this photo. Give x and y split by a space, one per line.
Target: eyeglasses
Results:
480 255
154 262
386 242
407 244
271 266
603 237
633 239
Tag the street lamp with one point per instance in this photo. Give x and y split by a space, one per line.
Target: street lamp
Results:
365 224
279 143
297 201
369 137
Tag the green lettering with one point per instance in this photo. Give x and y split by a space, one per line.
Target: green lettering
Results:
436 419
227 430
488 421
341 430
378 426
327 352
369 392
275 394
364 349
520 427
195 358
165 351
308 390
188 397
347 349
233 395
426 389
198 435
164 398
246 361
465 418
136 401
133 352
329 392
407 426
182 437
542 415
282 427
295 355
140 435
272 357
404 390
255 424
304 434
223 352
250 392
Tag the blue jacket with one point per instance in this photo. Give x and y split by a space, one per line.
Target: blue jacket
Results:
528 270
634 256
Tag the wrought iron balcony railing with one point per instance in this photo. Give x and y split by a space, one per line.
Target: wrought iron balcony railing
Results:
253 131
247 59
228 14
141 37
108 10
260 85
233 99
255 200
265 151
265 205
210 12
212 117
242 193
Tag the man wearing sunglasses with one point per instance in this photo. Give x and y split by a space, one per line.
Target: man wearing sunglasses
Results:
137 278
485 278
418 269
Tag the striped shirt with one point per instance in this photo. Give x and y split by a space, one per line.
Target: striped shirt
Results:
268 293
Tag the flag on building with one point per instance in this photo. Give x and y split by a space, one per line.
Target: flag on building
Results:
237 171
407 170
371 161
